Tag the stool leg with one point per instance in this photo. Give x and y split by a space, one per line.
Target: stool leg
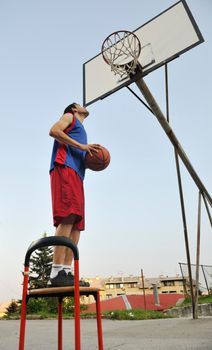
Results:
60 320
99 321
77 305
23 309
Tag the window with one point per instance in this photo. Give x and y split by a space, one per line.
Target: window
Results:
168 283
132 285
179 283
108 296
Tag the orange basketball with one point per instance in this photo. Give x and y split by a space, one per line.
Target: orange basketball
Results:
99 160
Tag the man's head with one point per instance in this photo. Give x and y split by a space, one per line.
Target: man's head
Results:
76 108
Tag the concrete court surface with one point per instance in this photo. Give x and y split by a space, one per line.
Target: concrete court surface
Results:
180 333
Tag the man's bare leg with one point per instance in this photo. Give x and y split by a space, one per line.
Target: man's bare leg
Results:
74 236
60 251
63 229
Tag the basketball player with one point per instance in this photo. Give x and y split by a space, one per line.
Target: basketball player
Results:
67 173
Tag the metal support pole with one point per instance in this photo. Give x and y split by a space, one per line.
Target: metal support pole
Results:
138 97
184 281
77 305
166 127
99 321
197 257
142 278
23 309
167 92
60 324
180 190
206 282
178 150
185 230
207 209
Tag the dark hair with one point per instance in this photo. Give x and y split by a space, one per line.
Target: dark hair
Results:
70 107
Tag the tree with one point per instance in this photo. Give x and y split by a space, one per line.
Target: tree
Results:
12 308
40 267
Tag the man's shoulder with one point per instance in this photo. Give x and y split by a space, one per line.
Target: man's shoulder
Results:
68 117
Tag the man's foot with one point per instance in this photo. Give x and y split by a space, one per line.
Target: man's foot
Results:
61 280
81 282
65 280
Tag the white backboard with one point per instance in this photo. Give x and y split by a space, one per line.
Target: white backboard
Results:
163 39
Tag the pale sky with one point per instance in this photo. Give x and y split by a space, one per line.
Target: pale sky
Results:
133 217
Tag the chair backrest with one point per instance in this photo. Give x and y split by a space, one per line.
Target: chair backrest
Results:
51 241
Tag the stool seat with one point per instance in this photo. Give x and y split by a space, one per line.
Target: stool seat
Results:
61 291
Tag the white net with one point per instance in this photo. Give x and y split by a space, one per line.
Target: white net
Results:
207 271
121 51
205 277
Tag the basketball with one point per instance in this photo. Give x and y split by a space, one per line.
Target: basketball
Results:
99 160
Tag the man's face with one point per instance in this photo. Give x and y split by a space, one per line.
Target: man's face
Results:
82 110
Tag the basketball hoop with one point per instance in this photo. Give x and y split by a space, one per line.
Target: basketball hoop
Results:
121 51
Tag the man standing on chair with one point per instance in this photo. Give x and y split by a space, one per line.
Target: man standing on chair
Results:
67 173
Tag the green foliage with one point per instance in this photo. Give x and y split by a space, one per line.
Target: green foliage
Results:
51 304
203 299
68 306
39 305
35 305
13 308
48 307
134 314
40 267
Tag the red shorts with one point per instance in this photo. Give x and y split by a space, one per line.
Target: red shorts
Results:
67 196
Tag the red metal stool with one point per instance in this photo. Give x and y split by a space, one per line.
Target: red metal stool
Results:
59 292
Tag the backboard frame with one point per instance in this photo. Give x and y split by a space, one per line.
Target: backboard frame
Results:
149 68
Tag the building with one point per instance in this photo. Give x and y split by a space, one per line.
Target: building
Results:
112 287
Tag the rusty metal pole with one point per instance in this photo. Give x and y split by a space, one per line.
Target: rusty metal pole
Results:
170 133
197 257
142 278
185 231
184 281
181 199
178 151
206 282
207 209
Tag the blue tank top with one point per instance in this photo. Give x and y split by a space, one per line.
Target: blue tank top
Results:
68 155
